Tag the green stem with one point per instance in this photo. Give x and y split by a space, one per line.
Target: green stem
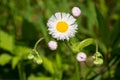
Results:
69 46
36 53
91 70
77 70
22 74
96 46
76 63
35 47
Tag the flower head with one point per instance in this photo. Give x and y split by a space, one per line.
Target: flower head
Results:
52 45
62 26
76 11
81 56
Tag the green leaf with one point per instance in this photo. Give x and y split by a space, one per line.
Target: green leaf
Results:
115 33
85 43
22 51
91 18
97 77
31 33
4 59
103 7
6 41
59 66
103 47
58 61
80 45
103 28
42 28
48 65
32 77
15 61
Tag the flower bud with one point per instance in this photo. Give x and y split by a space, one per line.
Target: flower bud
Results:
30 56
98 61
38 60
81 56
76 11
52 45
98 58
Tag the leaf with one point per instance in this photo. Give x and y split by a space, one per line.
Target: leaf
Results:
58 61
32 77
5 58
85 43
103 7
97 77
103 47
6 41
42 28
115 33
91 18
59 66
48 65
22 51
29 32
15 61
103 28
80 45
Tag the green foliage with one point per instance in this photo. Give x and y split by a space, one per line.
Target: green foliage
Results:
78 46
5 59
48 65
58 61
23 22
15 61
22 51
32 77
6 41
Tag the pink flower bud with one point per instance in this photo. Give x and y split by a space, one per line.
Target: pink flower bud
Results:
76 11
52 45
81 56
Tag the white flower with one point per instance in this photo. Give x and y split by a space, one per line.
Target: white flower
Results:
81 56
76 11
52 45
62 26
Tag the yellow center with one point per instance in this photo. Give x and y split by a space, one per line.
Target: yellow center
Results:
62 26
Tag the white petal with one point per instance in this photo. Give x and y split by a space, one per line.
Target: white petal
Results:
58 15
71 20
65 16
53 18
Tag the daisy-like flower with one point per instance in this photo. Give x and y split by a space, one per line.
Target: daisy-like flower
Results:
81 56
62 26
76 11
52 45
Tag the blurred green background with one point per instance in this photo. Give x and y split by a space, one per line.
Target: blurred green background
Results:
23 22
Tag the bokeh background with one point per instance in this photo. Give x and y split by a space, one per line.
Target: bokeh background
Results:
23 22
